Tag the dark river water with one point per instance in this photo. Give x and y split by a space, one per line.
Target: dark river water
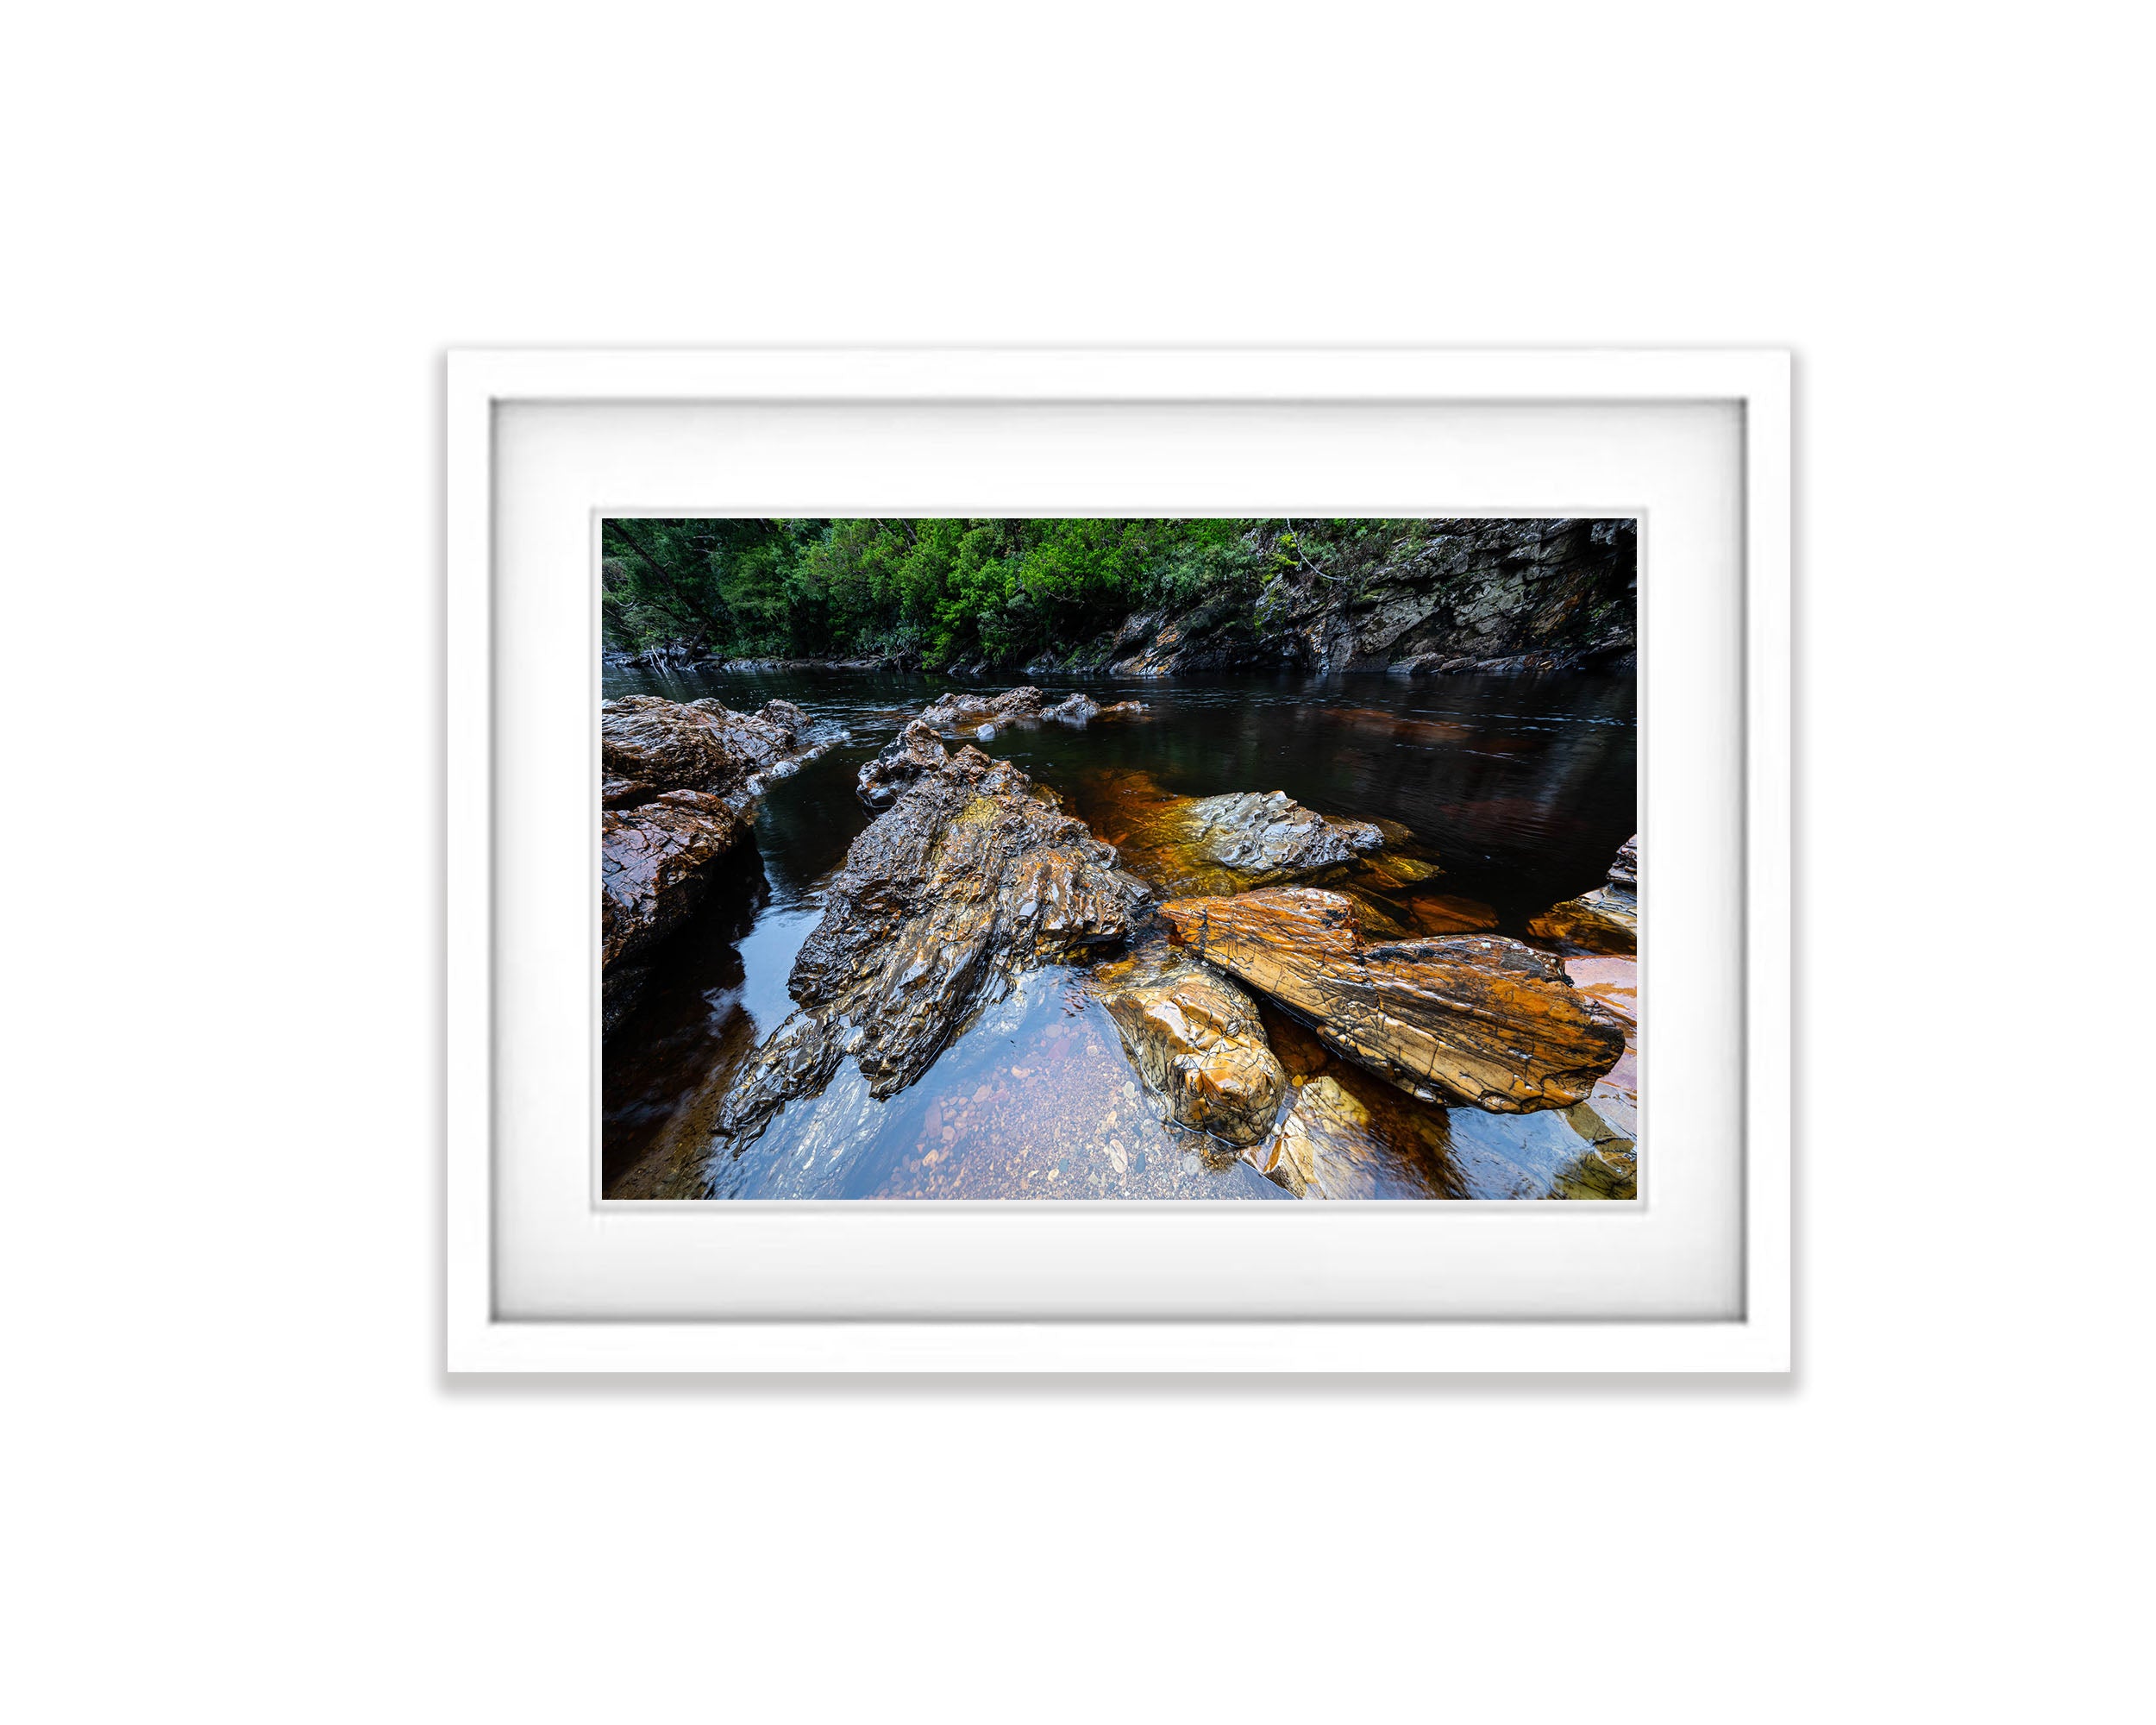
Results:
1523 787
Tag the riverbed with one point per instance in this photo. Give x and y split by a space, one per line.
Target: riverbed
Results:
1520 787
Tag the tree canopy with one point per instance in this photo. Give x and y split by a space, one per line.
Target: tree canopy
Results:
940 589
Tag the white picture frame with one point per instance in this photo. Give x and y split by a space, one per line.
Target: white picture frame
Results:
864 1320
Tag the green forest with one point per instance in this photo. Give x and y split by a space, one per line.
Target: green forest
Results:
943 592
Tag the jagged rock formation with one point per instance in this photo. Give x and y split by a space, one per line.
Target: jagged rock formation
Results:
968 878
913 751
1080 708
1076 708
698 745
1195 845
1477 1018
1491 596
962 712
1604 920
679 779
1196 1041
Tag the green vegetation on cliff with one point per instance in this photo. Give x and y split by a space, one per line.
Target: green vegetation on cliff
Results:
948 591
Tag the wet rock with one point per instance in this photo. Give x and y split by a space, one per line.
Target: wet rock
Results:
1272 837
697 745
617 793
963 712
1195 1040
1480 1018
668 654
913 751
653 858
1221 845
1080 708
1442 914
1347 1137
679 777
1614 1104
970 877
1604 920
1073 709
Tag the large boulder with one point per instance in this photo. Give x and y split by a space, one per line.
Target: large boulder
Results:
1225 844
680 778
970 877
654 856
913 751
1604 920
698 745
1196 1041
1479 1018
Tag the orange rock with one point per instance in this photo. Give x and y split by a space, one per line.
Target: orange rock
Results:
1480 1018
1604 920
1196 1040
1442 914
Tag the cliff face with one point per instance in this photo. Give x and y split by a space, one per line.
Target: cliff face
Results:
1442 596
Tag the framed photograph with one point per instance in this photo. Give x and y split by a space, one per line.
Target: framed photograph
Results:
1119 861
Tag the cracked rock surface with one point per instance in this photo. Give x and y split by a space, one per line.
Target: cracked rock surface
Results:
913 751
1197 1042
971 876
1480 1018
679 779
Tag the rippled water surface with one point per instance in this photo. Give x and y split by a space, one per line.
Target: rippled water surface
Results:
1523 785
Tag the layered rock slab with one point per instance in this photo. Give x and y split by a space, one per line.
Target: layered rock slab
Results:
698 745
680 779
971 876
1605 919
1480 1018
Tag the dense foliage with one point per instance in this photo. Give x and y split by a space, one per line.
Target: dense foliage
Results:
942 591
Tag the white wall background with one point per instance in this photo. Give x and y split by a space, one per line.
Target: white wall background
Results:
240 1485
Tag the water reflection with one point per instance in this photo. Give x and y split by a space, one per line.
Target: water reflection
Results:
1524 787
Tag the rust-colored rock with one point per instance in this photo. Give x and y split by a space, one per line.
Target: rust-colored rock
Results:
1479 1018
913 751
1442 914
1346 1136
968 878
1604 920
1196 1041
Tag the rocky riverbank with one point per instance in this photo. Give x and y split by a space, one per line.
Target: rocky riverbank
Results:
1427 598
1291 990
679 792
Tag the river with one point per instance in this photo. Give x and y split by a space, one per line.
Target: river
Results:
1523 787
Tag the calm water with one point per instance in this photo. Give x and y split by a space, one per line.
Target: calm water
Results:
1523 785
